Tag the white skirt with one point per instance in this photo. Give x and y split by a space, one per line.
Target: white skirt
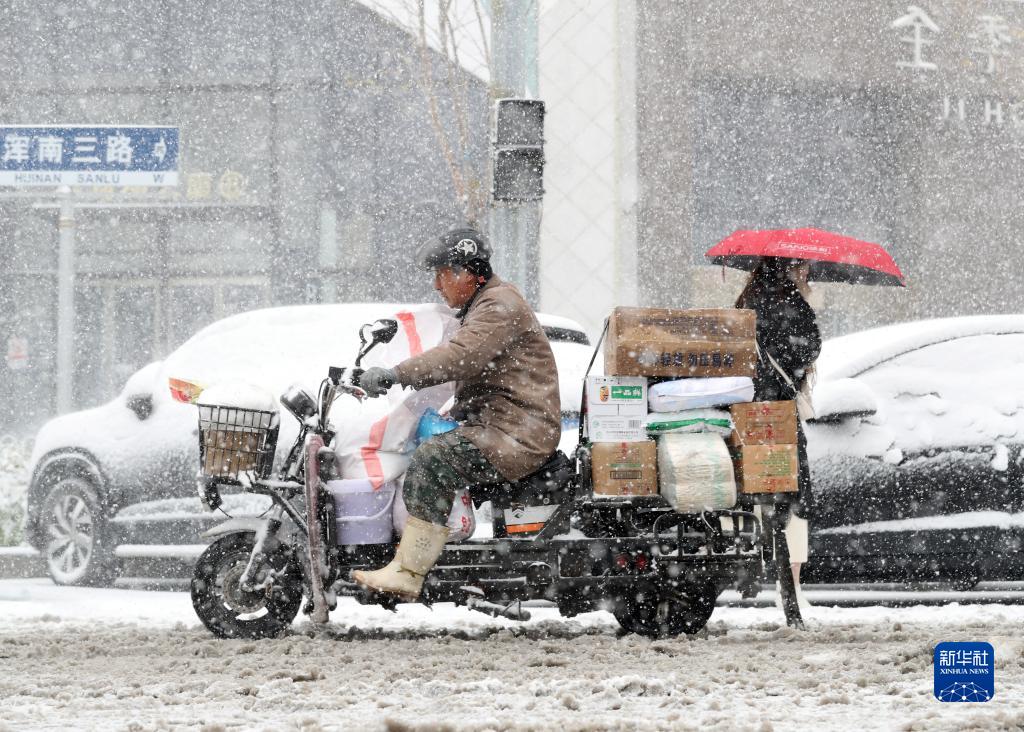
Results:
796 539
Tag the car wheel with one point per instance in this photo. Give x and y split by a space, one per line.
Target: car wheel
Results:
75 543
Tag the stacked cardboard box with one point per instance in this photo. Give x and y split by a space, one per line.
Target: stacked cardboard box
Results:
624 461
616 407
625 468
680 343
763 446
654 342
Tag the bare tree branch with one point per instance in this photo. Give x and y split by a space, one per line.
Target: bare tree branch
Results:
485 46
435 116
459 83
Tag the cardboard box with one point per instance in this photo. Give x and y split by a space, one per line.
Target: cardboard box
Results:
625 468
765 468
680 343
228 452
763 423
616 408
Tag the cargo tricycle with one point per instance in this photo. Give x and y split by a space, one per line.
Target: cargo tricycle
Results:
549 538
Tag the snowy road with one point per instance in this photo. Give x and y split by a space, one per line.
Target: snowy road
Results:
126 659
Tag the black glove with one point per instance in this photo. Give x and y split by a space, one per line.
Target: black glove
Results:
376 381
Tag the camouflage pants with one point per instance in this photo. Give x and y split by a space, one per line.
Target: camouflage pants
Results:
441 466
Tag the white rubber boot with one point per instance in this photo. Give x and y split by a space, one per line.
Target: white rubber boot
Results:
419 549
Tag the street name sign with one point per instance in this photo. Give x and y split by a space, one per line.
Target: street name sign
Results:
88 155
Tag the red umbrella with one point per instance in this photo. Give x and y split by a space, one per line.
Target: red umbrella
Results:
833 257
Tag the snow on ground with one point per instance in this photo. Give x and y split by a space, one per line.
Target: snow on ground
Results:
125 659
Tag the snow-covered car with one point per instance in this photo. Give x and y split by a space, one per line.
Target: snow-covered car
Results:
916 453
118 481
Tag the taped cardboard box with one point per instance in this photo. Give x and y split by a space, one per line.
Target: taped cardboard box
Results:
766 468
616 408
625 468
763 423
680 343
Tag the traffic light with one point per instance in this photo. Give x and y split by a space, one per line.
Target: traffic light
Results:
518 150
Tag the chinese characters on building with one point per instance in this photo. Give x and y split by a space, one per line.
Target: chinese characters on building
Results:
229 186
991 39
987 47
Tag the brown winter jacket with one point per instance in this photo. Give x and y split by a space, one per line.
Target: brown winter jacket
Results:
506 391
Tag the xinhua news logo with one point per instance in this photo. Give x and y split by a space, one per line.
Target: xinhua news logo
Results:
965 672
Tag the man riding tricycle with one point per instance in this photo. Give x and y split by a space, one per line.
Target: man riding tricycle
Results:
551 537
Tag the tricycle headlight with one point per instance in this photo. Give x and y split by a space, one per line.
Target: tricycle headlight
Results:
299 403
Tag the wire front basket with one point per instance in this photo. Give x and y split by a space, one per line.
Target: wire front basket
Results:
234 440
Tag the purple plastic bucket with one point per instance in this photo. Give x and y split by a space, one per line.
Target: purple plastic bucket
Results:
363 515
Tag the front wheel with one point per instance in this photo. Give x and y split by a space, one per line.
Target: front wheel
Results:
663 609
77 545
228 610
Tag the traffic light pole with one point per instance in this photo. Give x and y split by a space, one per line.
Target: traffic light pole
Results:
515 225
65 301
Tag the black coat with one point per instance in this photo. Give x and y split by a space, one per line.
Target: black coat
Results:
788 330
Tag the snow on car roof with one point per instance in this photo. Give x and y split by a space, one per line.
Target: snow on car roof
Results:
362 312
261 346
850 355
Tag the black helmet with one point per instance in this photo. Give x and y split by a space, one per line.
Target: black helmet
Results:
462 247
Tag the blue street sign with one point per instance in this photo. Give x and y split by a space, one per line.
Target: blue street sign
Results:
88 155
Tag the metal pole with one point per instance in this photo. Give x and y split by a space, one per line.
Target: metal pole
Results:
328 253
65 301
515 226
627 285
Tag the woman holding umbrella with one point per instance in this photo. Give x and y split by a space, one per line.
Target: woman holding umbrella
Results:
782 261
789 341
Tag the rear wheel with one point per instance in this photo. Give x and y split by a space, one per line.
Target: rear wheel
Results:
228 610
75 542
661 610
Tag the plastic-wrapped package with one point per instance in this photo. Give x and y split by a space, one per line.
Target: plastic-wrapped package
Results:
681 394
718 421
695 472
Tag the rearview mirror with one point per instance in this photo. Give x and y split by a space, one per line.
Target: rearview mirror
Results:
140 404
842 399
379 331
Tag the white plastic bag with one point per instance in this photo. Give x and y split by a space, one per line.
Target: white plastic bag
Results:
718 421
695 472
682 394
461 521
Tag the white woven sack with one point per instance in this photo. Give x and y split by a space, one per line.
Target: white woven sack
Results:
682 394
374 439
695 472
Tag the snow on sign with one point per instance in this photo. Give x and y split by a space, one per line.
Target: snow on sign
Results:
41 155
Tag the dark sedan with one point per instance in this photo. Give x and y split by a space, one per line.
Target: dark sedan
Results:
916 453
